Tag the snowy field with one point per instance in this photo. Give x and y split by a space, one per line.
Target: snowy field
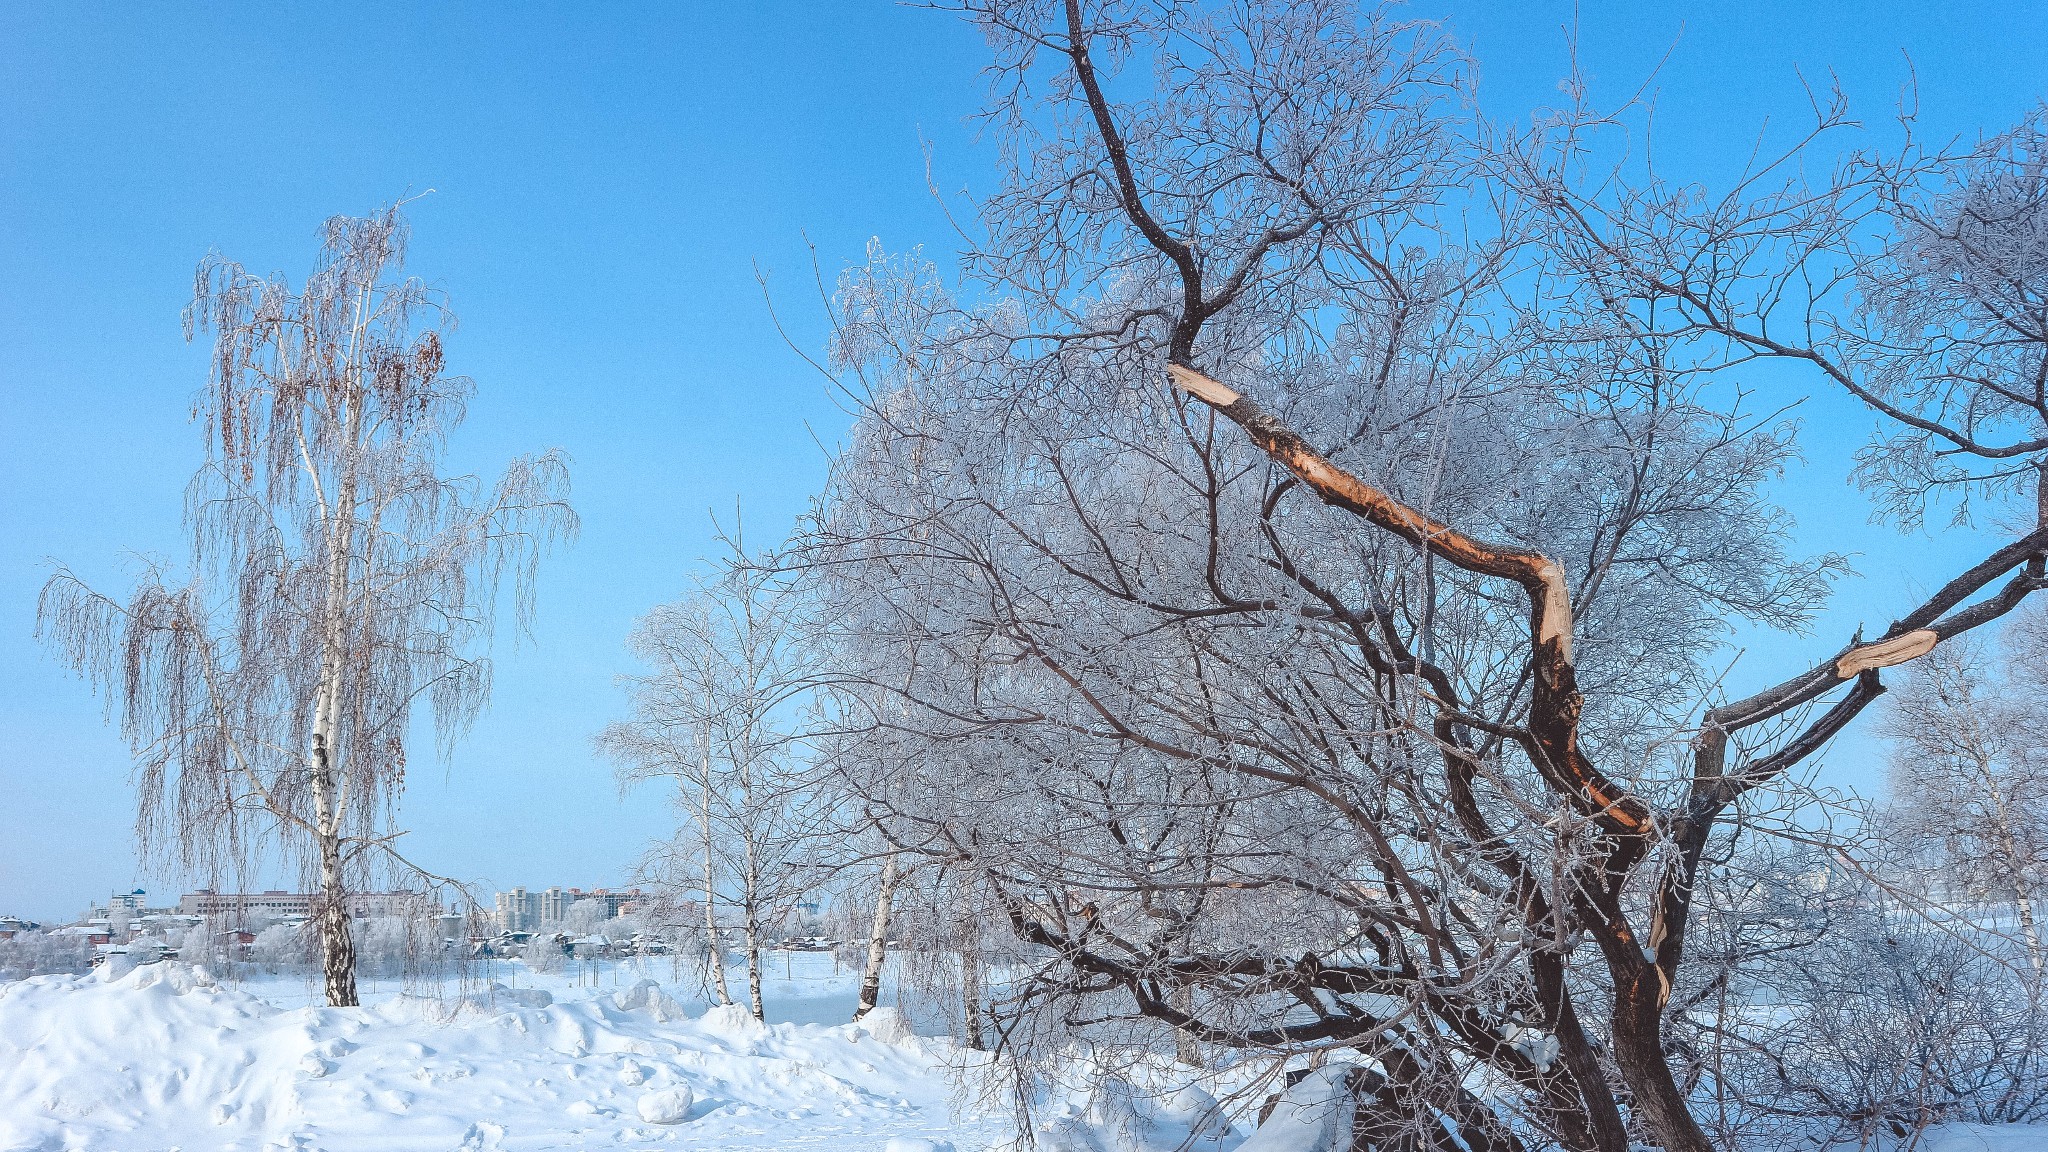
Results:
165 1058
617 1056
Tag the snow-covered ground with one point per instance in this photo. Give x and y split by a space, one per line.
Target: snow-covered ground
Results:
165 1058
617 1056
797 988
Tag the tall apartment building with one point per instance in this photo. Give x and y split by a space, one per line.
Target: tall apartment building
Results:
554 905
519 910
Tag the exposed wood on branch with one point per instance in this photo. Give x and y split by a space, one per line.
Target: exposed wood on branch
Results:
1885 653
1555 703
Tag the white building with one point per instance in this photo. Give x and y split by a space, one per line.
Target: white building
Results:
243 907
519 910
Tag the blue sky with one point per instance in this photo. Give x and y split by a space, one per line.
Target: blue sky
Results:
606 180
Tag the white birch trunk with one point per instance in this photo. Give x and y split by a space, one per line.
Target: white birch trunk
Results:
878 941
716 948
970 990
754 1004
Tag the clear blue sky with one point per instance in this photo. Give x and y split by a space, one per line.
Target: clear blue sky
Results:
606 179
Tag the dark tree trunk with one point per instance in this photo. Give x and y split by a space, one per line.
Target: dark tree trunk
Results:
1659 1106
337 945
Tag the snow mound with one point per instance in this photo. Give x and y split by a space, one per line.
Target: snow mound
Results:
887 1025
1117 1115
163 1057
668 1106
733 1019
642 995
1313 1115
498 997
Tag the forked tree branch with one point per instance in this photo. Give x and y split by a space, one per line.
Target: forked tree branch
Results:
1555 703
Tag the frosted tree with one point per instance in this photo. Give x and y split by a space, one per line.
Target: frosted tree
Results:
716 719
586 916
337 579
1969 777
1305 543
868 868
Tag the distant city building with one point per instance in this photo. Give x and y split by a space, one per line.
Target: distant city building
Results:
93 932
243 907
515 910
617 902
124 907
519 910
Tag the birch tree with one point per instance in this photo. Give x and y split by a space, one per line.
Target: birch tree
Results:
858 753
337 578
716 720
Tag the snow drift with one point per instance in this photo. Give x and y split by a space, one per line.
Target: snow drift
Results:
162 1057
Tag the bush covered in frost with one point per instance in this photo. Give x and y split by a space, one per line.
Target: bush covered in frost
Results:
39 953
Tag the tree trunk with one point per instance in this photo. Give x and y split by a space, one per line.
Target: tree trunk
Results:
715 950
751 896
330 799
970 990
1185 1049
1659 1105
1587 1114
2015 859
754 965
337 946
714 954
2023 900
878 941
